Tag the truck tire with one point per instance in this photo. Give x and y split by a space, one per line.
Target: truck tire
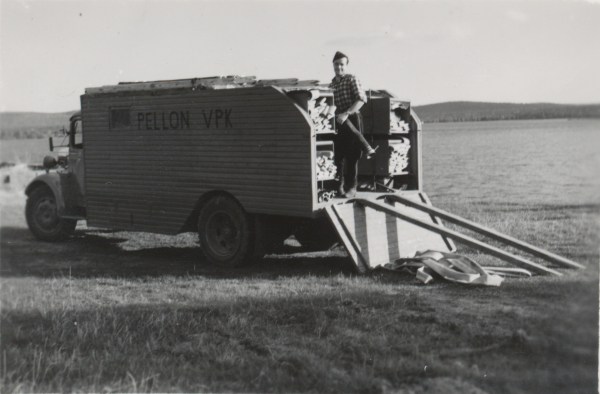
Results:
226 232
42 217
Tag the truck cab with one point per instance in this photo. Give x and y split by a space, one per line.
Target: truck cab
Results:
56 199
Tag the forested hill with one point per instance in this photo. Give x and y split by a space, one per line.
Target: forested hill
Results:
19 125
466 111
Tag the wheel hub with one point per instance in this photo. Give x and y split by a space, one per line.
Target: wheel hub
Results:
45 214
223 234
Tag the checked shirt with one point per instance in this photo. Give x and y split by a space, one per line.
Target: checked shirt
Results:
346 91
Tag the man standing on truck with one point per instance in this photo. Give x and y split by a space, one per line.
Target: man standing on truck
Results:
349 97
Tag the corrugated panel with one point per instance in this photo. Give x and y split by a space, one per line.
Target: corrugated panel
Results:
149 175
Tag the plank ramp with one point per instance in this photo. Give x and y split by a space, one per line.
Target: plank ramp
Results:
379 231
493 234
375 238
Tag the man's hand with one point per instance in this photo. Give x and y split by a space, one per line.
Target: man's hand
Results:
341 118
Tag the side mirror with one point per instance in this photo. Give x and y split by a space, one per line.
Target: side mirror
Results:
49 162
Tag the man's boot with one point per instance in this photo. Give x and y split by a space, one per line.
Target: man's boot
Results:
341 190
371 152
350 193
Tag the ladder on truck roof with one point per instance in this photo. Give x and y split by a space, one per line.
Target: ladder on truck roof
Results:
377 231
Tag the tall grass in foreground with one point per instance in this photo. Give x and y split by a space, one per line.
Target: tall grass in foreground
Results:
253 331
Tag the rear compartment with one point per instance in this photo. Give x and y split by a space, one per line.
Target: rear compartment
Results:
388 123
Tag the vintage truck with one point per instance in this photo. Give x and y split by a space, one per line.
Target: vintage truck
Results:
244 162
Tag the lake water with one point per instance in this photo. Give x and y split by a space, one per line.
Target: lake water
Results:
521 162
554 162
29 151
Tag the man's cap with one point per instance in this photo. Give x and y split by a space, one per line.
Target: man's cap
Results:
340 55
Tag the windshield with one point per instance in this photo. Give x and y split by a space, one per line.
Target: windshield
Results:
76 140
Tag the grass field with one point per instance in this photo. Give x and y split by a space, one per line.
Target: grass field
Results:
114 311
127 312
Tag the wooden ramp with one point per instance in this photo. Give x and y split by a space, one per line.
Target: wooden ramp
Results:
374 237
379 231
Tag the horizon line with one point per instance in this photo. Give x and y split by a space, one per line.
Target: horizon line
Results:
420 105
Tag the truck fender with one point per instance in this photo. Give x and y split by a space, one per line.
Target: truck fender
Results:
51 180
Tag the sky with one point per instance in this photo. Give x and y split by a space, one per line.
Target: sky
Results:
425 52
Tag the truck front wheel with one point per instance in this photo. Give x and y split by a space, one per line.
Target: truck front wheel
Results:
42 217
225 231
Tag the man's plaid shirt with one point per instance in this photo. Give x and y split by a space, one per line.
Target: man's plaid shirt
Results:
346 91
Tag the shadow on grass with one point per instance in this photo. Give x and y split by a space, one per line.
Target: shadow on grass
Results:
105 253
108 253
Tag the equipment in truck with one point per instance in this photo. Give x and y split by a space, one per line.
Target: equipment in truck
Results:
245 164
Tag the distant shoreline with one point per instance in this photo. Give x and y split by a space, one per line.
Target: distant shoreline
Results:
508 120
467 111
29 125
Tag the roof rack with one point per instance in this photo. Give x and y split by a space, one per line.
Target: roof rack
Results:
210 83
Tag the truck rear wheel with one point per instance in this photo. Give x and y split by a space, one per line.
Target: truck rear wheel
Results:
42 217
225 231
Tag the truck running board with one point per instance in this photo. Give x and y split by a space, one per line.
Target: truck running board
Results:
366 228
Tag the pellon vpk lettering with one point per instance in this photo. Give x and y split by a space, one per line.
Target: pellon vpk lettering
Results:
163 120
174 120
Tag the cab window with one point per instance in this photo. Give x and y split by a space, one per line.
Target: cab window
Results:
76 140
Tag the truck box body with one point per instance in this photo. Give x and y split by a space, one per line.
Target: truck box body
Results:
150 157
152 150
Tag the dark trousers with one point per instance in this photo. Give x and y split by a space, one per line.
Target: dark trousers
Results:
349 145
